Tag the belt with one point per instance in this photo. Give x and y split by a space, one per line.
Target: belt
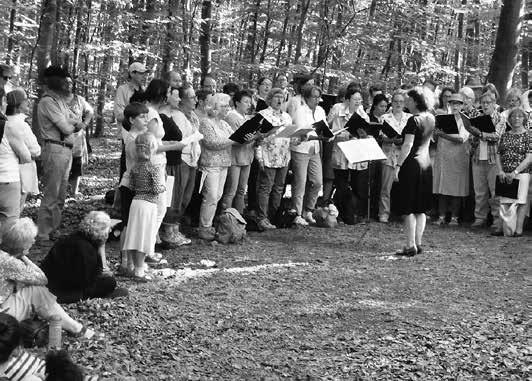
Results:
63 144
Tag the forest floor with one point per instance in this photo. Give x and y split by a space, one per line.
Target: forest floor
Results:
312 303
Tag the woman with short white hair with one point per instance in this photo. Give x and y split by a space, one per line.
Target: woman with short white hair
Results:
215 159
22 283
74 266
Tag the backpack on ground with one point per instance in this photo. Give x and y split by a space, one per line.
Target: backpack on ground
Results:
285 215
231 227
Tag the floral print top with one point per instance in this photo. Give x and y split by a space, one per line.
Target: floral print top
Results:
513 149
274 152
15 273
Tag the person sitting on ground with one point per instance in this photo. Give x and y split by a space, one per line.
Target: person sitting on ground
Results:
74 266
22 283
16 364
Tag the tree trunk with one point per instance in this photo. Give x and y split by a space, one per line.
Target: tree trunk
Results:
77 38
473 39
108 31
205 37
45 38
283 34
58 26
299 33
252 34
266 33
504 59
458 51
170 41
10 40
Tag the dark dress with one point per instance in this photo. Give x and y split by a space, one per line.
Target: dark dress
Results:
74 270
415 176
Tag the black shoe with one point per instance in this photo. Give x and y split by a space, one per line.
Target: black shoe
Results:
407 252
497 233
419 249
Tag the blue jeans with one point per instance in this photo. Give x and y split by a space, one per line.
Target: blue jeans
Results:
235 187
307 181
56 162
270 187
213 187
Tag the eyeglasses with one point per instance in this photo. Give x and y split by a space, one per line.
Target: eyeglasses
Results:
191 97
6 78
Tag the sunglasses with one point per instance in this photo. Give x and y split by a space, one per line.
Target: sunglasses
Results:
6 78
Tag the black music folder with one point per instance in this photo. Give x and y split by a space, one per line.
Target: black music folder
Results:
257 123
389 131
484 123
503 189
356 122
447 123
322 129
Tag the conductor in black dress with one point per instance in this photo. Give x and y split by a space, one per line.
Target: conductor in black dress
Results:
415 171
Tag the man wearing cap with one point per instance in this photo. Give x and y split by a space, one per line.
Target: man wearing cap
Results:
56 126
136 79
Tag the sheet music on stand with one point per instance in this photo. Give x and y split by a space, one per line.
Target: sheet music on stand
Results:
360 150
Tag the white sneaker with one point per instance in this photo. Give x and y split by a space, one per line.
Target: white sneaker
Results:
308 217
300 221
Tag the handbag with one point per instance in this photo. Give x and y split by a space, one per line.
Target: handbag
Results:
34 332
508 213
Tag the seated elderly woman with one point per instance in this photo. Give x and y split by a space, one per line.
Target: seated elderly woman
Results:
74 264
22 283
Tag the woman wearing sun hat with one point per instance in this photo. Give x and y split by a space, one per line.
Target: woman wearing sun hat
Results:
451 165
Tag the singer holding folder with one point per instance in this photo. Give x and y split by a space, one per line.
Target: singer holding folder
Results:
451 163
396 118
484 166
514 157
273 156
415 172
306 160
351 181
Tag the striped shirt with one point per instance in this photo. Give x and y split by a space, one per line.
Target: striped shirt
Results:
23 365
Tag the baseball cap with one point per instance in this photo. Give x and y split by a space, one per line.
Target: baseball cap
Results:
16 97
55 71
138 67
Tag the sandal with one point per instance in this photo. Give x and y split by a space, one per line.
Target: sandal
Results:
407 252
84 333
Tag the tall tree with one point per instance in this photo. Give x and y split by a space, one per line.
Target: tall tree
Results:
43 49
504 59
205 37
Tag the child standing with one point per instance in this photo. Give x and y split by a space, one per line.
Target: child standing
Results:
147 184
